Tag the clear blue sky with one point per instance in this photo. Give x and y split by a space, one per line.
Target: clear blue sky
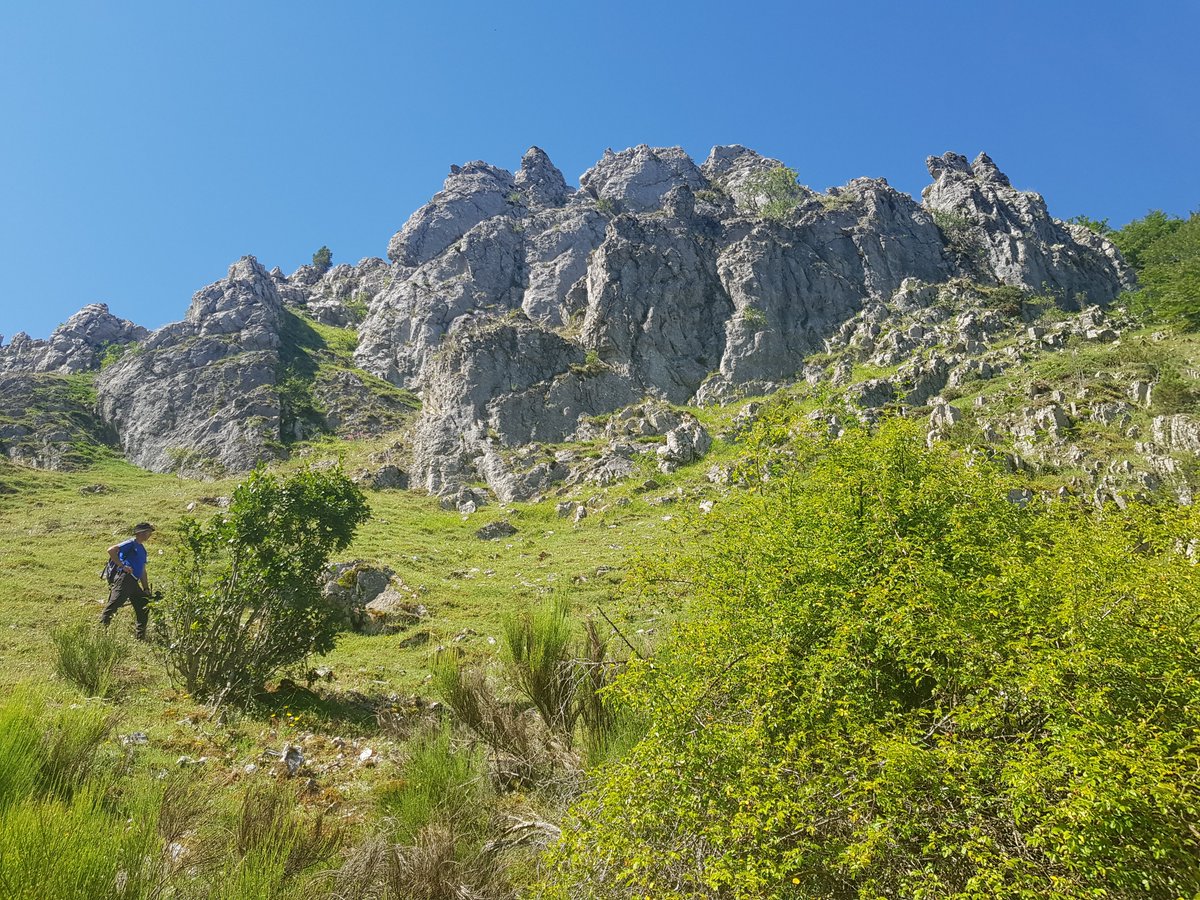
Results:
145 146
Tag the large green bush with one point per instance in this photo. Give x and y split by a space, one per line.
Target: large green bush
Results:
894 682
1170 273
246 599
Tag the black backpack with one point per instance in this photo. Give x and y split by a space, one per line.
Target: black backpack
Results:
112 571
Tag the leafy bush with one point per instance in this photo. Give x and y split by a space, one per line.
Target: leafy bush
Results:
1170 273
245 599
894 682
1099 226
89 656
776 193
958 234
1136 237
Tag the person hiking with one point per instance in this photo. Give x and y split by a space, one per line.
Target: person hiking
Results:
131 583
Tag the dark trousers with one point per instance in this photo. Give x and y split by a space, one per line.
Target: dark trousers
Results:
127 589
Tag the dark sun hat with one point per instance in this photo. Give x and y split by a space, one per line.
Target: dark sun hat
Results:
142 526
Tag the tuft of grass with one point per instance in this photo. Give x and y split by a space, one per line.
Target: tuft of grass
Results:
89 656
442 788
538 643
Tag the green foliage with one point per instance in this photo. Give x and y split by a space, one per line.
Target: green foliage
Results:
776 192
1006 299
357 305
1170 273
442 787
299 413
1174 393
89 656
605 206
1099 226
1136 237
272 846
113 351
754 318
958 234
323 259
538 643
894 682
246 598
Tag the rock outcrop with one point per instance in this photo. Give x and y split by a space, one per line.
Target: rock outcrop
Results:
520 309
1010 235
49 422
75 346
199 396
663 277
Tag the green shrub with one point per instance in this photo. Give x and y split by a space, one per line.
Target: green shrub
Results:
1137 236
776 193
538 645
442 787
89 656
245 598
1170 274
1099 226
1173 393
893 682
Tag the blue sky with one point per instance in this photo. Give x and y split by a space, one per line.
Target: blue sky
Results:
146 146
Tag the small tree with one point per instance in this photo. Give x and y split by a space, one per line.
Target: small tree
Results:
323 259
776 192
246 596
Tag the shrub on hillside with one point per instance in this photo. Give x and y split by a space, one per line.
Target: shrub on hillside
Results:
1137 236
89 656
245 599
1170 274
894 682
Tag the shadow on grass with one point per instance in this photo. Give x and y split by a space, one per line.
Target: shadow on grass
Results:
363 713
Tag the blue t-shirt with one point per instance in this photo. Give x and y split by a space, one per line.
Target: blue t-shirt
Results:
133 554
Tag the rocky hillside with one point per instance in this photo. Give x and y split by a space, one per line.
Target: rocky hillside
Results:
525 312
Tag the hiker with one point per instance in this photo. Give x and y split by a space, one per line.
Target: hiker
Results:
131 583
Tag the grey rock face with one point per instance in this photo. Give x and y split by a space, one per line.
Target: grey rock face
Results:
539 180
519 308
679 297
656 306
637 180
558 250
483 273
1016 239
733 169
503 384
74 346
341 296
471 194
1177 432
199 395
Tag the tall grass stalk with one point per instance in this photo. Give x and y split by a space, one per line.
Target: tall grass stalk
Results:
89 655
538 643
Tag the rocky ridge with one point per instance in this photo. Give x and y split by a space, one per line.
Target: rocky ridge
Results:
524 311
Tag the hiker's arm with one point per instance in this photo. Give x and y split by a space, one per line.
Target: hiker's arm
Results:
114 553
146 580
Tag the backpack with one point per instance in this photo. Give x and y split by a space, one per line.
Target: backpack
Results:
111 571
